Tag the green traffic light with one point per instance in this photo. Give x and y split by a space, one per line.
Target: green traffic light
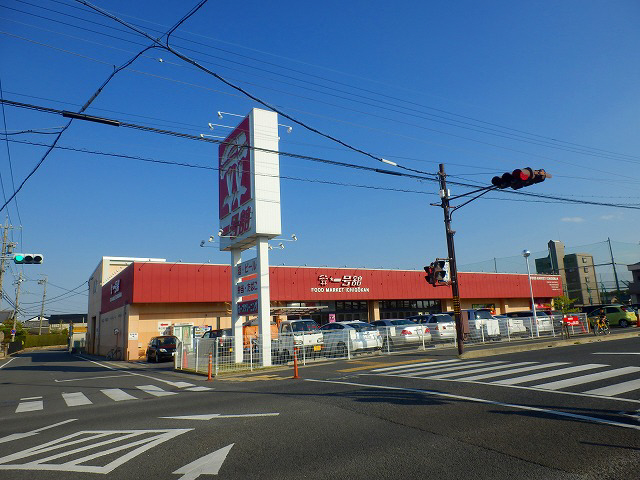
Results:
18 258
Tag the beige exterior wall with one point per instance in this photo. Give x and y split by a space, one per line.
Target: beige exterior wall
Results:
108 268
152 319
502 305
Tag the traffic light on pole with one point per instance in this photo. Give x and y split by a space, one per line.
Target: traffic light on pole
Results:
441 271
429 274
520 178
27 258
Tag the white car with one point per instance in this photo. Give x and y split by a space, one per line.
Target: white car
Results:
545 323
343 338
399 332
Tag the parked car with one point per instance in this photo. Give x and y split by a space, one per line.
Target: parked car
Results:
617 315
545 323
514 326
303 334
485 325
224 338
401 331
353 336
162 348
442 326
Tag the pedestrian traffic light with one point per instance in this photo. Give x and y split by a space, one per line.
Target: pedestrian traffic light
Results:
520 178
27 258
441 271
429 274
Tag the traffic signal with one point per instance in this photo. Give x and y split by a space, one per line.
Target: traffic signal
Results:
27 258
520 178
429 274
441 271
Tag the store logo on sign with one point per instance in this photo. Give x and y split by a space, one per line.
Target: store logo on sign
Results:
115 291
235 182
345 283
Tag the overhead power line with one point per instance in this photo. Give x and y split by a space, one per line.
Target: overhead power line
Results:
426 176
92 98
443 115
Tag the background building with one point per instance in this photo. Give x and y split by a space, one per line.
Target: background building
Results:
577 271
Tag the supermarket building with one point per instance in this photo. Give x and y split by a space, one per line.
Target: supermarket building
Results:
132 300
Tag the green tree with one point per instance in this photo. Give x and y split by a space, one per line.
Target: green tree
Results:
565 304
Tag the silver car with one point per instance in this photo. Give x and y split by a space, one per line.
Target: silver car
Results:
442 326
342 338
398 332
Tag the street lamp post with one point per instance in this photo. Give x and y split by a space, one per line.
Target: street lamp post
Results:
525 254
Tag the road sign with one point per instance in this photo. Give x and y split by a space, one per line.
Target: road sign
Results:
13 331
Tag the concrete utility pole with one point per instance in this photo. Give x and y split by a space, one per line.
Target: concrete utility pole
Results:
15 310
453 269
42 281
7 247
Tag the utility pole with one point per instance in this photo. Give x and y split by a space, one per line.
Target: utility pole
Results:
615 274
453 269
7 248
15 310
42 281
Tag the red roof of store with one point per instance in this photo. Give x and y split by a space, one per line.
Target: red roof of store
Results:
146 282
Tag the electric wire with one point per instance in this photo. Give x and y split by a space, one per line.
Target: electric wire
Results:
353 110
358 88
548 141
86 105
426 176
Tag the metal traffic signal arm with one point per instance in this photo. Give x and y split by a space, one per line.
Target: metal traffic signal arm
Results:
517 179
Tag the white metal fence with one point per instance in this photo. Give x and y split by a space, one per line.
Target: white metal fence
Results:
222 355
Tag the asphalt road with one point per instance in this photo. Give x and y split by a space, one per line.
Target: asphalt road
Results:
571 412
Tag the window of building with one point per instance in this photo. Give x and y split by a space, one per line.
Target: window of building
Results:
584 259
586 269
586 279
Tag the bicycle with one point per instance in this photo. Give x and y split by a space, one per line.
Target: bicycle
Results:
114 354
601 326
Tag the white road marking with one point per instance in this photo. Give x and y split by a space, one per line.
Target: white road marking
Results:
66 446
476 370
32 398
552 373
7 363
487 402
512 371
208 465
459 366
98 363
92 378
570 382
155 390
117 394
29 406
616 389
412 365
210 416
76 399
199 389
616 353
441 367
17 436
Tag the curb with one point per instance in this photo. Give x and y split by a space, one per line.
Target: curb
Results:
540 346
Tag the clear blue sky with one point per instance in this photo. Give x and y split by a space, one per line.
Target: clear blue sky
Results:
483 87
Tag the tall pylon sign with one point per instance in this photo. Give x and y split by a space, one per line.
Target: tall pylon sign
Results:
249 213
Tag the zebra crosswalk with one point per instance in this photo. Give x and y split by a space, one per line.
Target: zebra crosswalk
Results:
78 398
596 379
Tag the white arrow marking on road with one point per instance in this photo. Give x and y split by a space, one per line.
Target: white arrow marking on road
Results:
210 416
17 436
208 465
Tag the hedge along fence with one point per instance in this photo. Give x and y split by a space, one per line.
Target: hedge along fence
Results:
45 340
